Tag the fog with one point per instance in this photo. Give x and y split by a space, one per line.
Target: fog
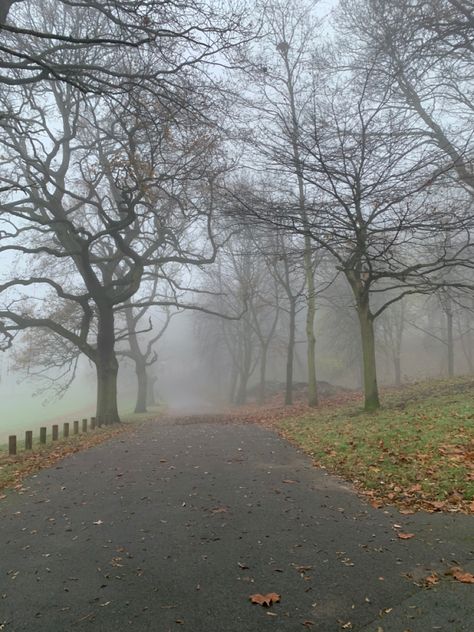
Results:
286 213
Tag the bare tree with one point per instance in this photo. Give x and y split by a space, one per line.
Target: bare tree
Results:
95 196
423 52
280 79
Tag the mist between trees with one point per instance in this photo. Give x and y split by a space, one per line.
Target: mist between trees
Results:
301 187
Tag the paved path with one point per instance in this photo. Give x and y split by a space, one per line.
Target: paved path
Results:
173 527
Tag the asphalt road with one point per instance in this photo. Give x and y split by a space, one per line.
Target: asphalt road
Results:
173 527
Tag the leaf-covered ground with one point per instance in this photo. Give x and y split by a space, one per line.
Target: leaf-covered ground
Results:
416 452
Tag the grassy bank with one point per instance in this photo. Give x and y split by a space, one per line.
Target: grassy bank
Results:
416 452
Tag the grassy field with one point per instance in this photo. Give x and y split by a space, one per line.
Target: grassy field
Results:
416 452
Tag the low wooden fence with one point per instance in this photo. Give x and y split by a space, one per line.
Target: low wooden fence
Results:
67 431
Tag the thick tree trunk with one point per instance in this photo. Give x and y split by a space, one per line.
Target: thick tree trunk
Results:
142 389
290 355
107 369
371 393
107 410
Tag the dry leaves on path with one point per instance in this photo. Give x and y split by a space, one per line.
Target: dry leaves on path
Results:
431 580
265 600
460 575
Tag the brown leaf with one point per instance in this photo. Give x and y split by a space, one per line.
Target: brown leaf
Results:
265 600
288 481
461 576
219 510
438 505
405 536
303 568
431 580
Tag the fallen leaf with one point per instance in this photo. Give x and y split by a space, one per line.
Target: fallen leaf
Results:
242 566
265 600
308 624
303 569
288 481
219 510
431 580
461 576
98 522
405 536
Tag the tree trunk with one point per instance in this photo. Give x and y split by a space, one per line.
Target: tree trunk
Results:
142 384
241 397
107 368
107 410
308 258
397 366
450 342
290 355
150 391
263 376
233 384
372 401
310 314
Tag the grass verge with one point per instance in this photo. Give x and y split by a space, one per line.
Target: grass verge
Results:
416 452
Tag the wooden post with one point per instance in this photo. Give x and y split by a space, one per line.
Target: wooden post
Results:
28 440
55 432
43 433
66 429
76 427
12 445
84 425
93 423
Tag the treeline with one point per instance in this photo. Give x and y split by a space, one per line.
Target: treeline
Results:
259 165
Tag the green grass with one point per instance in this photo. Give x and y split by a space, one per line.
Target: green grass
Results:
417 450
